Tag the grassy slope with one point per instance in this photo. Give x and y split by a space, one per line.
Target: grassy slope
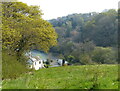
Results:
68 77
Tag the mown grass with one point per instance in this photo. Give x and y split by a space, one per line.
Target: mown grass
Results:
68 77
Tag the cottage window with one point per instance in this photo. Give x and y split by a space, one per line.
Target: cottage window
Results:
39 62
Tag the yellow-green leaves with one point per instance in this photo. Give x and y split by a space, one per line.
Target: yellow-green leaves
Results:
24 29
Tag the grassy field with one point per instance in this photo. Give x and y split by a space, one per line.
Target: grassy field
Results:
68 77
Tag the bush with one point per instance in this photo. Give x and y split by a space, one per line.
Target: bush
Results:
11 68
104 55
85 59
70 59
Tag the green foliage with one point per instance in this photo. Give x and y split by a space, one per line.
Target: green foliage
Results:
79 34
11 68
85 59
70 59
73 52
68 77
24 29
101 28
104 55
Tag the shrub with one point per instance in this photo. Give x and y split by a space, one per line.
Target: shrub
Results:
103 55
85 59
11 68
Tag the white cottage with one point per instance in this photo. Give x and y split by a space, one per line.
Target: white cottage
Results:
37 63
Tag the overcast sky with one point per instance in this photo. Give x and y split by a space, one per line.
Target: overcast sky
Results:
57 8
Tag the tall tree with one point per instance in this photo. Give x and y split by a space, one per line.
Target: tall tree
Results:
24 29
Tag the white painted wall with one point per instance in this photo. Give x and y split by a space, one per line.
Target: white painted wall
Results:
60 61
38 64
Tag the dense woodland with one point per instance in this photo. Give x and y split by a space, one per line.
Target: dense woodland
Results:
87 38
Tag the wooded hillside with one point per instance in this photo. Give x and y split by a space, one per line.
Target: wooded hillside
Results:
79 34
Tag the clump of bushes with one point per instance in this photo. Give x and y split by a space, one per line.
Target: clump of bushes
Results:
85 59
99 55
11 67
104 55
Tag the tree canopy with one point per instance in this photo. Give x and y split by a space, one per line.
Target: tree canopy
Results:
24 29
80 34
101 28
